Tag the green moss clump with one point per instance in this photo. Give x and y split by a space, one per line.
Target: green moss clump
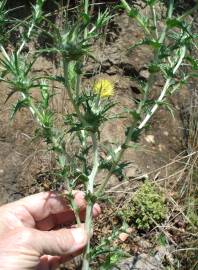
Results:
146 208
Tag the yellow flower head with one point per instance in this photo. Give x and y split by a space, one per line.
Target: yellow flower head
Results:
104 88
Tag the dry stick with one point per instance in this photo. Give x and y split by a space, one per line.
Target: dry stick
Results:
139 177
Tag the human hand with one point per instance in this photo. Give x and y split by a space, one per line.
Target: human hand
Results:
29 238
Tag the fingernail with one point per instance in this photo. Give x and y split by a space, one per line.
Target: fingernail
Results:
79 236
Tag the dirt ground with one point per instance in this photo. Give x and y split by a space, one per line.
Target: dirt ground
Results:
23 160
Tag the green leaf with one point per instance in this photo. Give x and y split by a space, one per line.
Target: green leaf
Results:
90 197
150 2
60 79
153 43
133 13
194 62
134 133
86 18
194 75
24 103
150 42
10 94
154 68
136 116
62 161
172 23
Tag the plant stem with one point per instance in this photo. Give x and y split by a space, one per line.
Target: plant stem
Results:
121 149
69 90
152 76
126 5
90 189
86 10
28 36
78 84
36 113
138 18
155 21
76 211
170 13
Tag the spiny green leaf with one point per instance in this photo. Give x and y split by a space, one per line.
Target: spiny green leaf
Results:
193 61
154 68
24 103
150 2
133 13
134 134
173 22
136 116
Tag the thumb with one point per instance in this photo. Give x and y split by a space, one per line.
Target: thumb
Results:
60 242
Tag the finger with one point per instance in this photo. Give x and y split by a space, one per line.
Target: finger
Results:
96 211
49 262
64 242
66 218
43 204
53 262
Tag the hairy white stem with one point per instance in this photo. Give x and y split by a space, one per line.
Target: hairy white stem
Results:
90 190
121 149
28 36
164 91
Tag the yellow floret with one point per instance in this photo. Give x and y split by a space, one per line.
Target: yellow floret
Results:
104 88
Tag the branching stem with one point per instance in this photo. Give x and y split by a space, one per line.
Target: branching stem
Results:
121 149
138 18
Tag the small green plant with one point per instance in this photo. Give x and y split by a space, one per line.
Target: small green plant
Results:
112 253
146 209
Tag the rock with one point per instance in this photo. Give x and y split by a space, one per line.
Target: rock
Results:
163 252
144 74
150 139
132 172
140 262
144 244
166 133
125 235
112 70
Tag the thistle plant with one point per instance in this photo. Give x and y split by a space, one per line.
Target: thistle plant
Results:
92 105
